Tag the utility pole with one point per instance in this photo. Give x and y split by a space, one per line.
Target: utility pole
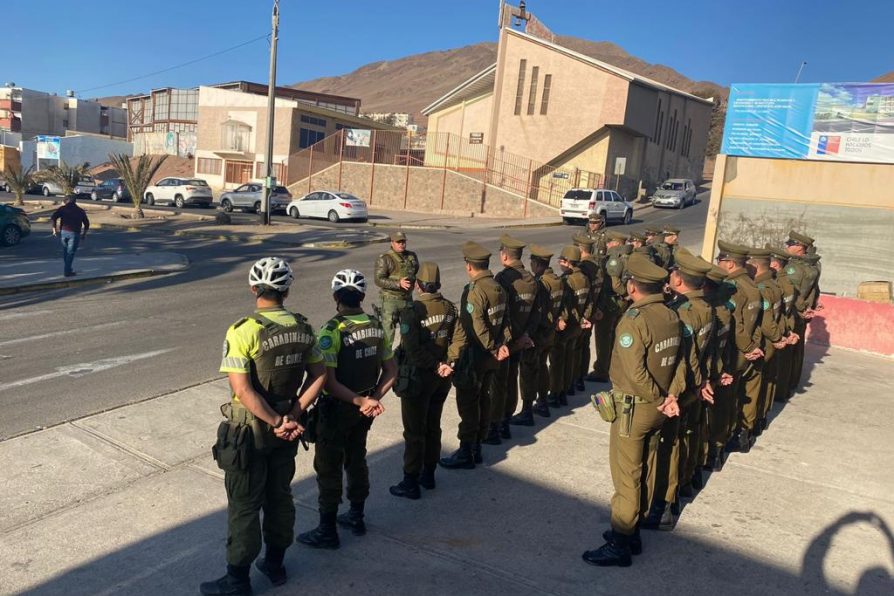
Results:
801 68
270 181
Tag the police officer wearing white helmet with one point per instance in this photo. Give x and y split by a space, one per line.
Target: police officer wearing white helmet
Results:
362 370
276 372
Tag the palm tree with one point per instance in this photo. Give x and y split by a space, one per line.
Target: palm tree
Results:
18 182
137 179
64 175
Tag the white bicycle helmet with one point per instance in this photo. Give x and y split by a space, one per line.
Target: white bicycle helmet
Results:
350 279
272 272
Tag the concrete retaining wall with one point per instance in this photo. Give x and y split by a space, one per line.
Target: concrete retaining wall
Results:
854 324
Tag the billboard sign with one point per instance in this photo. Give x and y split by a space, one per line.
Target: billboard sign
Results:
824 121
357 137
48 147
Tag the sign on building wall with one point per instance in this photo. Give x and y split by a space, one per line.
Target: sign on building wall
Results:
357 137
476 138
620 166
824 121
48 147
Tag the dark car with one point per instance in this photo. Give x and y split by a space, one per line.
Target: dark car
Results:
14 225
112 189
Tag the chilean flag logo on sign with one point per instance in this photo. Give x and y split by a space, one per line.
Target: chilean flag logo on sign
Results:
828 145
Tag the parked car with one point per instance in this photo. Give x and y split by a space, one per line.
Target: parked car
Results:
112 189
14 225
329 204
676 193
179 192
248 197
34 189
579 202
83 188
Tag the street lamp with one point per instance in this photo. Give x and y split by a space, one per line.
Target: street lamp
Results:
269 180
801 68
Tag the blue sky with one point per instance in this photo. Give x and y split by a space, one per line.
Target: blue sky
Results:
91 43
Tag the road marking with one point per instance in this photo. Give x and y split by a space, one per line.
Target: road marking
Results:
58 333
81 370
21 315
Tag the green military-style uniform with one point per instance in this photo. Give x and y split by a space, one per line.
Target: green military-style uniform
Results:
430 336
610 304
747 337
592 268
598 236
552 294
785 358
671 248
723 414
805 279
354 347
482 315
273 347
391 267
661 251
772 328
522 318
579 301
645 369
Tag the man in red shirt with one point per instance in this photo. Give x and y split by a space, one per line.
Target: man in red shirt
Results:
71 223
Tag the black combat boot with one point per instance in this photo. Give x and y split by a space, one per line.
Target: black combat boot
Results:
504 429
271 565
563 397
234 583
353 519
636 541
541 407
427 478
523 418
614 553
758 427
686 491
711 460
476 453
744 441
661 517
323 536
407 488
493 435
553 400
698 481
597 378
461 459
580 386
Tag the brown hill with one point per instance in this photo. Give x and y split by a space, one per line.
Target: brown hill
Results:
411 83
885 78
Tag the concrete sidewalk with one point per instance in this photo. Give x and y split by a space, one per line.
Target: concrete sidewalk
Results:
296 235
25 275
130 501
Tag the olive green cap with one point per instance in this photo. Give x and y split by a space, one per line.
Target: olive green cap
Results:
475 253
642 269
652 231
800 238
690 264
812 259
429 273
637 235
716 274
508 241
758 253
541 252
395 236
730 249
571 253
778 253
671 230
583 241
596 216
615 236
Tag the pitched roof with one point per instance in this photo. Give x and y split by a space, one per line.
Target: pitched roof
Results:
472 87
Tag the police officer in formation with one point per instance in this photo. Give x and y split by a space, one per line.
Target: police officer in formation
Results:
696 355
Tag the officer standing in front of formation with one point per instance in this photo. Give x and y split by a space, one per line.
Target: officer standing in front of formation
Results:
575 320
661 251
592 268
805 279
772 328
535 386
395 276
596 233
430 336
748 339
672 241
361 372
611 302
646 380
522 321
779 264
275 372
482 315
722 415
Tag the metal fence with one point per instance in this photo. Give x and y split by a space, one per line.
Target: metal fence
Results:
513 173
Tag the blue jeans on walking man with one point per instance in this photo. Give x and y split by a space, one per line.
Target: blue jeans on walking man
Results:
70 242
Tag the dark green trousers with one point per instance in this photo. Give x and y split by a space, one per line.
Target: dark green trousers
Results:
265 485
474 406
391 307
605 339
583 348
505 392
544 378
341 450
422 422
528 371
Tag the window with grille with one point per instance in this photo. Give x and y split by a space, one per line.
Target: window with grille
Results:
544 103
205 165
315 121
520 88
532 94
308 137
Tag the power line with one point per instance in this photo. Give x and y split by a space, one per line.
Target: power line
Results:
170 68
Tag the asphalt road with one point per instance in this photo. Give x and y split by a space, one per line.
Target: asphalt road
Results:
72 352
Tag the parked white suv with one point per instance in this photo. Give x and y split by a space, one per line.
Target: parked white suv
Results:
579 202
179 192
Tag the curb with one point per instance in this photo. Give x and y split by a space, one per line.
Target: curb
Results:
260 238
105 279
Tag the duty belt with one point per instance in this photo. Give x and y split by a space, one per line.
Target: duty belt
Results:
239 414
628 398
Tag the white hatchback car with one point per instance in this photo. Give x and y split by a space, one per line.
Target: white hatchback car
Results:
329 204
579 202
